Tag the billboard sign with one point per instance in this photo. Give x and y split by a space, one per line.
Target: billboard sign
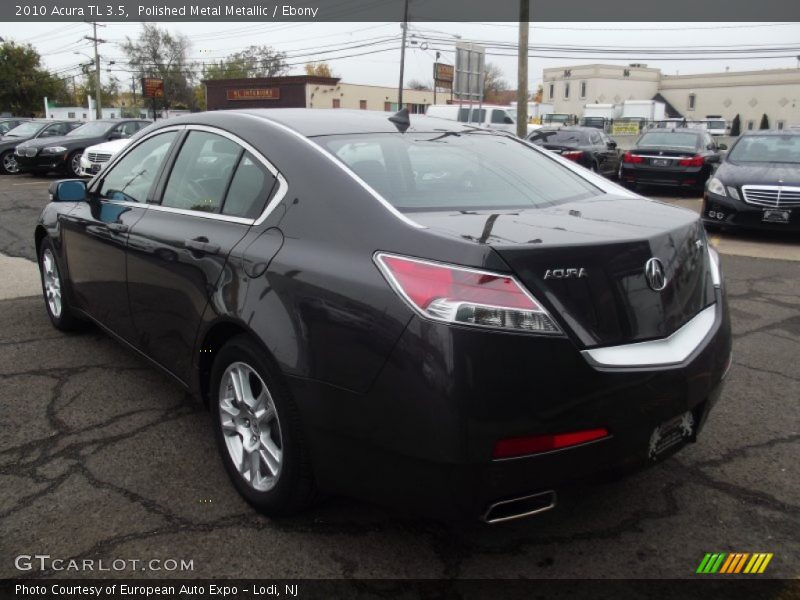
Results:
470 62
152 87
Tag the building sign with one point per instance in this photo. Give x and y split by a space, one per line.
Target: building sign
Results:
443 74
625 128
272 93
152 87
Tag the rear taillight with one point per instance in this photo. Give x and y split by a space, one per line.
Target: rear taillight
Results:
465 296
694 161
572 154
523 446
632 158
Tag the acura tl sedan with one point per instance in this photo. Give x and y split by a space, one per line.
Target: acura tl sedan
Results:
757 185
419 313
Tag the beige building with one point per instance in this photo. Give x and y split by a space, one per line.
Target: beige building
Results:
750 94
367 97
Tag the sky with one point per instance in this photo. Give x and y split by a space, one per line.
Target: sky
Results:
58 42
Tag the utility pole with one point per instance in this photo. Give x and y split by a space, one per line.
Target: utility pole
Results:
96 40
522 69
402 56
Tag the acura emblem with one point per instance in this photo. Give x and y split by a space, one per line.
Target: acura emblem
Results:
654 272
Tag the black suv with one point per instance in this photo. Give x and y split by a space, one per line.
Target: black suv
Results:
64 153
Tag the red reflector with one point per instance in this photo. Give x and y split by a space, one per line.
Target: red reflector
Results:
544 443
695 161
632 158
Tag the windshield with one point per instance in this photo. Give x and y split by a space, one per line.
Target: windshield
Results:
717 124
671 140
556 118
767 148
25 130
95 129
446 171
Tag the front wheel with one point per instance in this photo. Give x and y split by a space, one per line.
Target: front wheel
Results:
56 304
74 163
8 163
258 431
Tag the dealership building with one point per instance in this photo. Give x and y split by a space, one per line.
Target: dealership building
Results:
309 91
750 94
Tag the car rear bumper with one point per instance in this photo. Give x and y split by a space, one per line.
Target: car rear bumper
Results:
422 438
725 211
688 177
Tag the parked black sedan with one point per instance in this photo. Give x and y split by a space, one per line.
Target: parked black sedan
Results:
64 153
422 313
9 123
675 157
30 130
587 146
758 183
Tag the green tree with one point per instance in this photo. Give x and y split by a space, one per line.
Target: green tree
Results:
110 89
158 53
24 83
764 122
736 126
255 61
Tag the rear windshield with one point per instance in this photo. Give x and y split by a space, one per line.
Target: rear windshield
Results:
467 170
767 148
668 139
566 138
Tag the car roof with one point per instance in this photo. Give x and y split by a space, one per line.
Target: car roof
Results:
789 131
312 122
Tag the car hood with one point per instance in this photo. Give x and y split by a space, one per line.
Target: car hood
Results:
69 141
738 174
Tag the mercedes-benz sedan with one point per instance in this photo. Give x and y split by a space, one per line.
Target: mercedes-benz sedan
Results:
420 313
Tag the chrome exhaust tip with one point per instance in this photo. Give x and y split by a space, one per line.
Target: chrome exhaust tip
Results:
518 508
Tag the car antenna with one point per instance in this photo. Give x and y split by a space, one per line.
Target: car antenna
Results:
401 120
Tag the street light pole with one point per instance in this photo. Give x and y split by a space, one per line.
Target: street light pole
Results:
402 56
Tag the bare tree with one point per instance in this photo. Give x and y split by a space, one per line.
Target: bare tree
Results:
320 69
493 82
416 84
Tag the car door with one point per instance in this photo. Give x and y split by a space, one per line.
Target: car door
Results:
177 255
96 233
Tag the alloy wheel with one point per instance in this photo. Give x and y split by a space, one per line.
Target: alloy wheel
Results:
250 426
10 163
52 283
75 164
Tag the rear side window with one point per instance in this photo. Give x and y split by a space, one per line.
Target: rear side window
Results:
468 170
498 116
201 173
130 179
251 187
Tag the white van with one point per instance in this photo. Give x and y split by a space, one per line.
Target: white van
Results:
487 115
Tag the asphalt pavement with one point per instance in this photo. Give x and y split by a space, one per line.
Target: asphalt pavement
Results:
103 458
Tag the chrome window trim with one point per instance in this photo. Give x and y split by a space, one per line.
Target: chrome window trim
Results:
389 206
283 186
671 350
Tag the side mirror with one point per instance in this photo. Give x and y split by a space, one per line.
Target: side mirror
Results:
722 146
68 190
611 144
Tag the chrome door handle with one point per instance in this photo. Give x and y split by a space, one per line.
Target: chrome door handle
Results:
201 245
117 227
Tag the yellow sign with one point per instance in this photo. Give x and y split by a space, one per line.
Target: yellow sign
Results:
625 128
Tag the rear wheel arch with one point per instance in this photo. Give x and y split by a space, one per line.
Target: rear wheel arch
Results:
213 340
38 236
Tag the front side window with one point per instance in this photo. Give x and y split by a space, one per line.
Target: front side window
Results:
446 171
201 172
498 116
55 130
130 179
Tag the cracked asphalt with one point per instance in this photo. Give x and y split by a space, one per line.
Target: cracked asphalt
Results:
102 457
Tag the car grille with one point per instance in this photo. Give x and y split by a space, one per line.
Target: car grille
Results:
771 196
98 157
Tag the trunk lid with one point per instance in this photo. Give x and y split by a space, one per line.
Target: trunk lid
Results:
610 302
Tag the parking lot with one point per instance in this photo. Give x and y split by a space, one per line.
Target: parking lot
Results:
102 457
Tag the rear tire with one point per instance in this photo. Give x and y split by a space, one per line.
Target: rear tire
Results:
56 304
258 431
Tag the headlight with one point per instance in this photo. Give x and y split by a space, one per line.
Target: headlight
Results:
54 150
715 187
733 193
